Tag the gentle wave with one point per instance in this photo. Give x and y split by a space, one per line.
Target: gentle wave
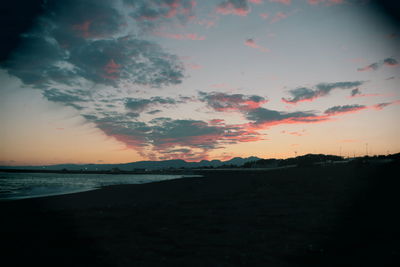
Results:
30 185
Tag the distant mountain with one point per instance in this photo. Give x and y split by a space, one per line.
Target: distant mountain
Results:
149 165
250 162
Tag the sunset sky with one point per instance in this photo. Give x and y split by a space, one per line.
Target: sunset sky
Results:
102 81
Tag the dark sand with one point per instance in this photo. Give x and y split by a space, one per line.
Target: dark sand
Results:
320 216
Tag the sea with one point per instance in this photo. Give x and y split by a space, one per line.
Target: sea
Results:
29 185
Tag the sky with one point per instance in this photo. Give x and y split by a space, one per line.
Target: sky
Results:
101 81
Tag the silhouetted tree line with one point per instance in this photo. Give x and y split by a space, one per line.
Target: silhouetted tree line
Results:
305 160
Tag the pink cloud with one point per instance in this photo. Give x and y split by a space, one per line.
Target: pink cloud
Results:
223 102
302 94
111 69
251 43
194 66
288 101
172 9
278 16
273 118
83 28
264 118
206 23
298 133
290 120
369 95
371 67
176 8
264 15
228 8
217 121
389 62
256 1
130 141
381 106
224 134
286 2
339 110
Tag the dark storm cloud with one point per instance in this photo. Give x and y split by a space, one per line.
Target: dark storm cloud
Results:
239 4
344 109
263 116
381 106
87 19
151 13
132 114
81 44
390 61
132 133
165 134
198 134
355 92
319 90
231 102
76 44
14 21
41 63
66 96
127 59
191 133
152 112
140 104
69 97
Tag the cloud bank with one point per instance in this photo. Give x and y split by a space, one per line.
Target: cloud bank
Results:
390 62
233 7
231 102
322 89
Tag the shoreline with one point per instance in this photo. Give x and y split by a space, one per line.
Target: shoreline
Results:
324 216
62 190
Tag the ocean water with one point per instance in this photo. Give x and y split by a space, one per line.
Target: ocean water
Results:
29 185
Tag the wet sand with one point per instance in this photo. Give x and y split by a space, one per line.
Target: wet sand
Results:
310 216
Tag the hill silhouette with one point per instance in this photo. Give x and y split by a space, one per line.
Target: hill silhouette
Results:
237 162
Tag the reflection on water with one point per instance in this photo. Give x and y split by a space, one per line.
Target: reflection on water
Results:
28 185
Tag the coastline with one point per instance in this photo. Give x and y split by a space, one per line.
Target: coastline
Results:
319 216
24 185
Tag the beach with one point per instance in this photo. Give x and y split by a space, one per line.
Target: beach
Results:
305 216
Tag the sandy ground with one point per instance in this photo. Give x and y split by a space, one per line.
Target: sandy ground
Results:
319 216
